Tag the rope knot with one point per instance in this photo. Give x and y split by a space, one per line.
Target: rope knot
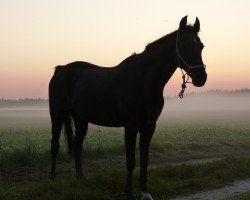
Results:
183 85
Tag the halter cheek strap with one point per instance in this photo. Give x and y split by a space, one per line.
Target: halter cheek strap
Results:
189 67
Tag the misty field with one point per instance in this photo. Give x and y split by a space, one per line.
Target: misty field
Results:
188 130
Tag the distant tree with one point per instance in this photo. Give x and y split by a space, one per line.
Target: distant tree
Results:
23 102
244 92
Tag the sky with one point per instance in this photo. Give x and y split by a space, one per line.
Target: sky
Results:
36 36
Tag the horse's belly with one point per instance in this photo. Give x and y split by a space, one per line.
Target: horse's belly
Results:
103 118
97 102
101 113
108 123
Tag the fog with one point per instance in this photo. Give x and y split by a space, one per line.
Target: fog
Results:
214 108
208 102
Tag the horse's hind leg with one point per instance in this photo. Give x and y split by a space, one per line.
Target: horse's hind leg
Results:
56 130
81 127
130 144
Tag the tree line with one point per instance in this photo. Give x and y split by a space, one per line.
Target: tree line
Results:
44 102
24 102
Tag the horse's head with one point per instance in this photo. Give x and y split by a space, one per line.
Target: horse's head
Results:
188 50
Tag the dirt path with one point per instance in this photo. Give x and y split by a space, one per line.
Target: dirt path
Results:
195 161
218 194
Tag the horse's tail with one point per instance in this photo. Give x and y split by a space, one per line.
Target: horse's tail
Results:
69 136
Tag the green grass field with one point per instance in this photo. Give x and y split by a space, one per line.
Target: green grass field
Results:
180 136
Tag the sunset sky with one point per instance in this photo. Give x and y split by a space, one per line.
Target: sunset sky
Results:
36 36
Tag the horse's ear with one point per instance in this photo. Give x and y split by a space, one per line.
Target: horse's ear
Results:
183 23
196 25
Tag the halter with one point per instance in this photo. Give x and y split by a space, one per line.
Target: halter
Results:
189 67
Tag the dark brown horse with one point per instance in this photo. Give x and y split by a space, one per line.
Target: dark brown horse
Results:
129 95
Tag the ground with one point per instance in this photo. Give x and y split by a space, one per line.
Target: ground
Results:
184 140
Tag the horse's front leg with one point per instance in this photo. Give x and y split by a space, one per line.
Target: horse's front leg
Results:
145 138
130 144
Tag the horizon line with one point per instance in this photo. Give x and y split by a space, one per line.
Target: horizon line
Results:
165 96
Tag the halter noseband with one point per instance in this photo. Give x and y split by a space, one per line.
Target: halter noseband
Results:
189 67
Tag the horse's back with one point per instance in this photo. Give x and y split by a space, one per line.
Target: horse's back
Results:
84 88
66 77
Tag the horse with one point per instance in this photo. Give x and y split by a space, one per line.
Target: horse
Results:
129 95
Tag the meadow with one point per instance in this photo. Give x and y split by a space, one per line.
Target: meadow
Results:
188 133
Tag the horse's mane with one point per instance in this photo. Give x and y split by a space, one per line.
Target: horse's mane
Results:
129 59
159 42
152 47
155 48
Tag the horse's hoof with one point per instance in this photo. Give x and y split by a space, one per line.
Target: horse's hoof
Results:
146 196
130 196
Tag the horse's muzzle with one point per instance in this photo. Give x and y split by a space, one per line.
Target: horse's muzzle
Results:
199 80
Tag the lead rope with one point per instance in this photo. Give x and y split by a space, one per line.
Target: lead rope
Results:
183 85
184 81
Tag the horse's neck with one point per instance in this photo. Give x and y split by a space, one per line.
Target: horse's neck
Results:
152 68
160 69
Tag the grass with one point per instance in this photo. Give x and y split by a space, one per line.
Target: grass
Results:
107 183
168 144
25 160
